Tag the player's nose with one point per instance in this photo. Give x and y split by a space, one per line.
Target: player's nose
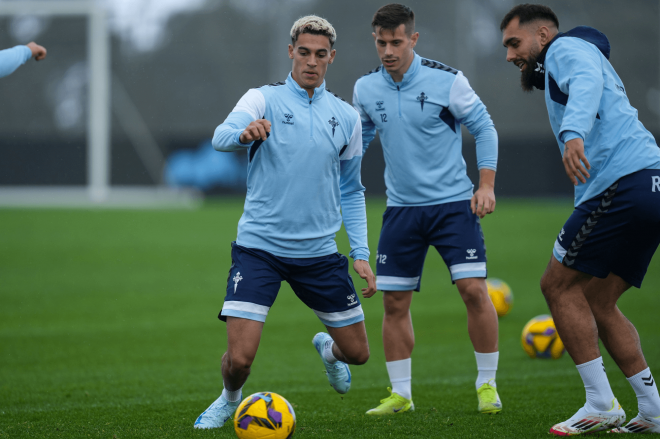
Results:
510 56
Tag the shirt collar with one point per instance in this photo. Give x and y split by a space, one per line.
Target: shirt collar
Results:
297 89
408 76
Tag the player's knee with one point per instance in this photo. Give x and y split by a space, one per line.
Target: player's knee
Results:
359 358
240 363
474 295
395 305
548 288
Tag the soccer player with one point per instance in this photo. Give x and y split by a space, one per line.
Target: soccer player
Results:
606 245
11 59
417 106
304 146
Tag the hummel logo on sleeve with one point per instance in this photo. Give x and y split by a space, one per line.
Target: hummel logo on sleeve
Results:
333 123
236 280
561 234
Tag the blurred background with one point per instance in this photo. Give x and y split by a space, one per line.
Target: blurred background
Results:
175 68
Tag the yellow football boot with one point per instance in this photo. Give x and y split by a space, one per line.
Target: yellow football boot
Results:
489 400
392 405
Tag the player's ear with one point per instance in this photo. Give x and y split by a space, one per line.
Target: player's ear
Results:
290 51
543 34
414 37
333 52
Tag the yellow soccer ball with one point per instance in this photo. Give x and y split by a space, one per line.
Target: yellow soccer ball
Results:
501 296
264 415
540 339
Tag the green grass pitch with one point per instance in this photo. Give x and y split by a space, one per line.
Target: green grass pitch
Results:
108 329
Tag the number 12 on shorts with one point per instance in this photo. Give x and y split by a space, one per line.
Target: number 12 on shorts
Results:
380 259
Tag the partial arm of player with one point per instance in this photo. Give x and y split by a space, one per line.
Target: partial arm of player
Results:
244 125
468 109
368 126
576 66
353 209
11 59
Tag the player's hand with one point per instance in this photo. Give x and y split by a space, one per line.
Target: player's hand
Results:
38 52
574 159
363 269
257 130
483 201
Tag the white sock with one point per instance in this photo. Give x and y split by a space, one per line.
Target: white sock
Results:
400 373
232 396
599 392
327 352
646 390
487 367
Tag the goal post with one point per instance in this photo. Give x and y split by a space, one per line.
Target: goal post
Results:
98 190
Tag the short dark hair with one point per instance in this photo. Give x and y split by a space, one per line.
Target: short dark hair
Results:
527 13
391 16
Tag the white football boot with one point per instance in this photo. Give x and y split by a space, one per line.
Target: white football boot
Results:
588 420
339 375
217 414
640 424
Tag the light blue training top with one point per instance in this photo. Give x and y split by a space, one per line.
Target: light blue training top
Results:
11 59
586 98
304 177
419 123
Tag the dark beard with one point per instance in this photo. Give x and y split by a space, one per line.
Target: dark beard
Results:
528 74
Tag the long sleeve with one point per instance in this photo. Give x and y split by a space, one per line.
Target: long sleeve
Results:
368 126
249 108
468 109
576 69
353 207
11 59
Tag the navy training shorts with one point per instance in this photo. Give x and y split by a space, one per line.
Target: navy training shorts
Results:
616 232
408 232
323 284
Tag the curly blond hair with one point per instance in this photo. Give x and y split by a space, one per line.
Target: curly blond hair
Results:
315 25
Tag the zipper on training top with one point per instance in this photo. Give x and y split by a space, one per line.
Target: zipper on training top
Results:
398 91
311 120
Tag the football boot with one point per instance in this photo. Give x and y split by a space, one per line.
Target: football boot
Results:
217 414
588 420
339 375
489 400
640 424
392 405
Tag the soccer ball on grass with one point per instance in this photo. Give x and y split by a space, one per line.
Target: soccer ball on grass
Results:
501 296
264 415
540 339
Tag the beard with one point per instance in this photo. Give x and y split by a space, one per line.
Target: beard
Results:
528 75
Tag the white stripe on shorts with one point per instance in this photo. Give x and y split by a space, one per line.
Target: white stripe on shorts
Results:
560 251
470 266
246 307
394 280
341 315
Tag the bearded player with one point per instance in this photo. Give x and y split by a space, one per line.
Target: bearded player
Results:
304 146
417 106
606 245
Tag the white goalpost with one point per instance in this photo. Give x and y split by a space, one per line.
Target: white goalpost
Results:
98 191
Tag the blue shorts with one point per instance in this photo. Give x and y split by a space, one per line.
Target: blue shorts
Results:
616 232
323 284
408 232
